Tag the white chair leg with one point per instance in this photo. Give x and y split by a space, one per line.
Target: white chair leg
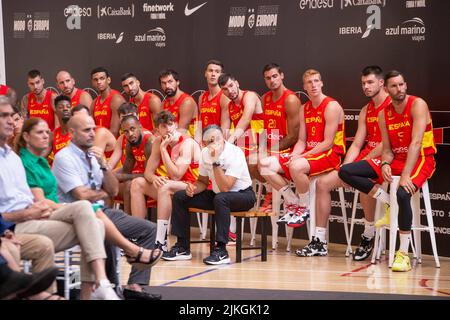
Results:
253 222
67 274
276 201
204 227
345 222
426 199
352 221
312 208
289 235
416 225
393 219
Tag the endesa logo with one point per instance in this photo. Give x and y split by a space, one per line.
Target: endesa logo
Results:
315 4
73 14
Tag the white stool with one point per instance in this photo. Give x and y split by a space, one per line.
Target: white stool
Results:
71 275
311 223
416 228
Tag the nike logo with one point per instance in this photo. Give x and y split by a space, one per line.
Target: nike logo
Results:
188 12
223 257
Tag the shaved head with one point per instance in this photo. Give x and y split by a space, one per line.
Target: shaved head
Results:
65 82
82 129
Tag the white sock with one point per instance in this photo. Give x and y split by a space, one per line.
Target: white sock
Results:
161 230
382 195
303 199
405 238
288 195
321 233
369 229
233 224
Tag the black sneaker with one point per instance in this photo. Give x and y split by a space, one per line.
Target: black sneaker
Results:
218 256
314 248
364 250
177 253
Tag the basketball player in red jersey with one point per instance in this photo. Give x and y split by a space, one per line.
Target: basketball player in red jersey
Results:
321 143
212 102
108 101
39 101
366 145
137 151
149 104
180 155
60 137
179 103
66 84
408 151
243 119
9 92
281 122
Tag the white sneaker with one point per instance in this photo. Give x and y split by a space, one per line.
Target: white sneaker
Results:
104 292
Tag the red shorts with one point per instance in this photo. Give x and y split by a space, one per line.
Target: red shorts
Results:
318 163
423 170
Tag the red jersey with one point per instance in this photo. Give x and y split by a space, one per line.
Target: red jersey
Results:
373 136
191 173
59 141
315 127
42 110
75 100
399 128
3 89
144 113
210 109
175 110
275 121
139 154
102 110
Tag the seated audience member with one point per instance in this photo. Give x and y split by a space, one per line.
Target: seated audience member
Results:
62 226
223 163
83 174
18 122
180 155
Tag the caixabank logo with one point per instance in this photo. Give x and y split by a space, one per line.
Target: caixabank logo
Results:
108 11
262 21
345 4
36 24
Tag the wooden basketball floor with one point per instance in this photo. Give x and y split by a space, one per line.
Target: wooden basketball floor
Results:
285 271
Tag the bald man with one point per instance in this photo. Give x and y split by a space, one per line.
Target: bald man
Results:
66 84
83 174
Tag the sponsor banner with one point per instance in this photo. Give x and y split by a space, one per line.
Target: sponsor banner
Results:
155 36
158 11
263 20
36 25
74 14
416 4
109 11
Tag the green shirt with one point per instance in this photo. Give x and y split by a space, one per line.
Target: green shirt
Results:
39 174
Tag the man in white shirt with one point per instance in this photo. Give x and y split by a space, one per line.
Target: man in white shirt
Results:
224 164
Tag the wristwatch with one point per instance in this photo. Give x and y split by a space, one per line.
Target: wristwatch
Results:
216 164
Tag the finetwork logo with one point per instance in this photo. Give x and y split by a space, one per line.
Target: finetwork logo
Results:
265 21
157 36
414 27
38 24
315 4
158 11
356 3
416 4
115 12
73 13
373 22
110 36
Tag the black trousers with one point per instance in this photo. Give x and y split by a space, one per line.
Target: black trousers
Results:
222 203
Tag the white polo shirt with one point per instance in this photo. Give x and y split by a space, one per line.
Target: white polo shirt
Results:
232 161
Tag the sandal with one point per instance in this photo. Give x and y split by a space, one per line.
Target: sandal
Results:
139 264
